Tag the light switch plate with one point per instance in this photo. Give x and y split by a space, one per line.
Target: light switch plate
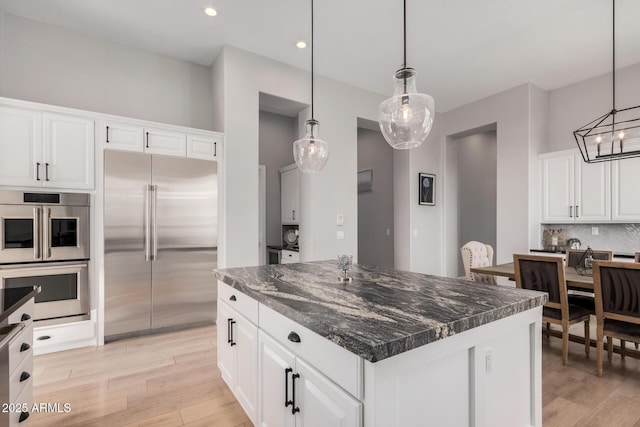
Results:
595 231
340 219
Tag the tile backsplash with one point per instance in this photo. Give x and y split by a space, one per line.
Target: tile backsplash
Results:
620 238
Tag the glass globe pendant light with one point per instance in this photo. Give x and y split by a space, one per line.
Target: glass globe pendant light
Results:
310 152
406 118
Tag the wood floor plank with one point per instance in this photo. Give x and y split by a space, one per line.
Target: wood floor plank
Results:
172 380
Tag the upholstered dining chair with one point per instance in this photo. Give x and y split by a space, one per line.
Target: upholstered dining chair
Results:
546 274
637 257
617 289
477 254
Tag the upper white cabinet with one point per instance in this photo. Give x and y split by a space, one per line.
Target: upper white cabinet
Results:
170 141
20 146
43 149
68 151
289 194
625 198
574 191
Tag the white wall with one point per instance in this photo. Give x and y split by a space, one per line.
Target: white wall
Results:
276 136
48 64
573 106
375 208
323 195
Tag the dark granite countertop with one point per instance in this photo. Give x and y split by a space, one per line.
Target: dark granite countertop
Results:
11 299
383 312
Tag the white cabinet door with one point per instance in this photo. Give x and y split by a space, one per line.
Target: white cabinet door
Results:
161 141
290 211
593 191
203 147
274 386
245 338
68 151
20 147
123 136
225 350
558 188
322 403
626 197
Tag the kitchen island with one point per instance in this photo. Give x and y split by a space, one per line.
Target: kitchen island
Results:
391 348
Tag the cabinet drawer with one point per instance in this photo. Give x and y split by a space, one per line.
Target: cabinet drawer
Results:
23 314
203 147
342 366
289 256
24 400
21 348
243 304
20 378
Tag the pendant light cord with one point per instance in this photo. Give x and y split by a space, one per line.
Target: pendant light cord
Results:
404 24
312 116
614 54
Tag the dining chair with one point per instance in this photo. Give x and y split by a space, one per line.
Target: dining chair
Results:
477 254
617 289
574 256
637 257
581 298
546 274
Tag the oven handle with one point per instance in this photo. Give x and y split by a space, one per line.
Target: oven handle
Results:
46 243
37 225
10 270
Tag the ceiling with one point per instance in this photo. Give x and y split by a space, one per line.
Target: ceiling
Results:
463 50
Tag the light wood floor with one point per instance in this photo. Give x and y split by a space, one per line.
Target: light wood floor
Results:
172 380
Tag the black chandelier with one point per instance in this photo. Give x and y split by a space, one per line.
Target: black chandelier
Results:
604 138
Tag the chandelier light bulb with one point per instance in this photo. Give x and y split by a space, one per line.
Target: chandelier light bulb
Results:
621 135
598 139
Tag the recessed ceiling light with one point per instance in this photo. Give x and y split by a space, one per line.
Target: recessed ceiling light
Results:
211 11
301 45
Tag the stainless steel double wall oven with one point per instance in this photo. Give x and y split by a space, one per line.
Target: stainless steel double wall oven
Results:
44 241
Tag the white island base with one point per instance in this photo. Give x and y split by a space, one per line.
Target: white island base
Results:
486 376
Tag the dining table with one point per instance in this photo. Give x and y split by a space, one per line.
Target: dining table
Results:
574 279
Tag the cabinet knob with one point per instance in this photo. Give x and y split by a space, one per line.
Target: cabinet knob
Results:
23 416
25 317
233 298
24 347
24 376
293 337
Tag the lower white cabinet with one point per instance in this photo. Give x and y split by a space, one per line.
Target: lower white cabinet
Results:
237 356
293 393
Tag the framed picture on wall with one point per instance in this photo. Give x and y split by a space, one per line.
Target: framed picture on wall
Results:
426 189
365 181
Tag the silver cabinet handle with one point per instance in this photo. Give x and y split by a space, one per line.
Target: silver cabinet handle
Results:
46 240
570 211
154 210
37 225
577 211
147 223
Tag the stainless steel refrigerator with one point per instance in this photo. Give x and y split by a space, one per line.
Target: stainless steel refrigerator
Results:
161 235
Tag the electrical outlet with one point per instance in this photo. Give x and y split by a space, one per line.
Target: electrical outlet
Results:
388 232
340 235
488 360
595 231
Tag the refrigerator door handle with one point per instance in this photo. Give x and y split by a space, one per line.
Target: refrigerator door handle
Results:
154 209
147 223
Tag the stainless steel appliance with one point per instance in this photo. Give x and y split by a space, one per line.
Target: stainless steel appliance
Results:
160 242
64 294
36 227
274 254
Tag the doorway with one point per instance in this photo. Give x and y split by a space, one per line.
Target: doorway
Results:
471 194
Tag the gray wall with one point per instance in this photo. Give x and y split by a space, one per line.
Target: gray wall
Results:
375 209
48 64
276 136
476 189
